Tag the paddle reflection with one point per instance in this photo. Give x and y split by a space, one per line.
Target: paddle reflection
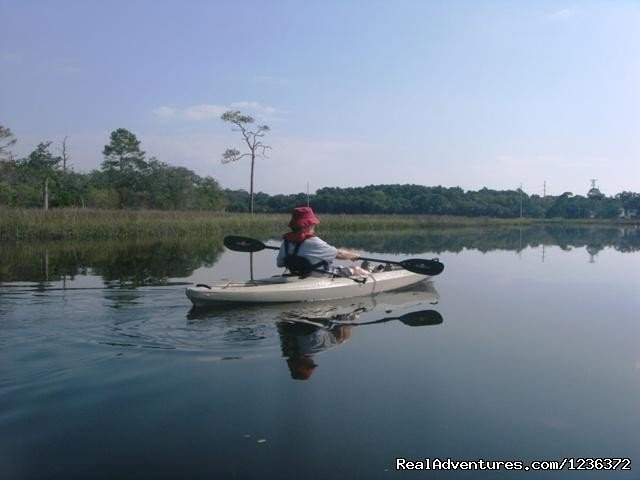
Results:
301 338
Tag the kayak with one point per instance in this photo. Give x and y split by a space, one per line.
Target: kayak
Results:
285 289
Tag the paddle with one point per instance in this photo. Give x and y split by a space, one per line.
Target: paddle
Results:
412 319
416 265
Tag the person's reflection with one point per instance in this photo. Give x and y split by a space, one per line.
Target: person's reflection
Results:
302 337
301 341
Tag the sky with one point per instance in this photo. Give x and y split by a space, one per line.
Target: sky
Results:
474 93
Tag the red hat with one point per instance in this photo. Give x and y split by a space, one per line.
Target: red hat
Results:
303 217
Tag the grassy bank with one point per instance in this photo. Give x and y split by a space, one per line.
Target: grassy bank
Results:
86 224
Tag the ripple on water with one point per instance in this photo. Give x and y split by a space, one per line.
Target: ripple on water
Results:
146 318
161 319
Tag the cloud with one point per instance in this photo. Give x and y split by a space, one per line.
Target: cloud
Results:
203 111
208 111
263 112
562 14
164 112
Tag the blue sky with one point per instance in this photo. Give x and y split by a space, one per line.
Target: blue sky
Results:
456 93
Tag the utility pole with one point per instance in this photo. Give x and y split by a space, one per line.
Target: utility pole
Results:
544 189
520 199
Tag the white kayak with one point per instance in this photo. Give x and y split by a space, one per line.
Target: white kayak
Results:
282 289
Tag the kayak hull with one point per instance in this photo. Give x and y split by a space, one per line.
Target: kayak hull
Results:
282 289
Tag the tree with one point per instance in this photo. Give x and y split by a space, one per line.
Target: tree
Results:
123 152
42 165
125 168
253 139
7 139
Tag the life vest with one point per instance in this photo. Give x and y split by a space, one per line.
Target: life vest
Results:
301 266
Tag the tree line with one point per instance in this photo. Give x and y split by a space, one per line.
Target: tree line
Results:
127 179
419 199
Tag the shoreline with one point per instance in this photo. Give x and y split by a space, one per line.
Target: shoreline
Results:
88 224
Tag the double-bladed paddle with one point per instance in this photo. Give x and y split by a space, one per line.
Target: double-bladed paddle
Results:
416 265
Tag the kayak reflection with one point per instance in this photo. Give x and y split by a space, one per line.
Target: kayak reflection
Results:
300 331
302 338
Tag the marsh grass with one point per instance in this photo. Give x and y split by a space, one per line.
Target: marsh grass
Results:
87 224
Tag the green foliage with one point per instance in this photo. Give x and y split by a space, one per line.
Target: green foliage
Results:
422 200
123 153
126 180
94 224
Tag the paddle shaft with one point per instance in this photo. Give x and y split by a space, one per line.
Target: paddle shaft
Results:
270 247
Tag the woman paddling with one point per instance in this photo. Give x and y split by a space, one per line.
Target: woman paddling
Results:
303 253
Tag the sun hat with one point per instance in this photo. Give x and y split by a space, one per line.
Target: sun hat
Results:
303 217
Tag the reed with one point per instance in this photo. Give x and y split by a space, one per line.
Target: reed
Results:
86 224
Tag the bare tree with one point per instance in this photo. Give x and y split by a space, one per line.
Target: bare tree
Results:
65 153
253 140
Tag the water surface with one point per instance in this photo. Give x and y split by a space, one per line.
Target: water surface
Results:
106 372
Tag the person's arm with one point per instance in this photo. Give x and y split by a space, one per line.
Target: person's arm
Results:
347 255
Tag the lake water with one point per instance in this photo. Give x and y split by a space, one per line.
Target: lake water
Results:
533 354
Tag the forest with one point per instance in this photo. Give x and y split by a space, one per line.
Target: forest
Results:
126 179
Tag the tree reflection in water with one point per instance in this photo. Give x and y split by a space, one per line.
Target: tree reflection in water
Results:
153 262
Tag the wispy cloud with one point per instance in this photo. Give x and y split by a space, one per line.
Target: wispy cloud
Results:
263 112
204 111
562 14
164 113
208 111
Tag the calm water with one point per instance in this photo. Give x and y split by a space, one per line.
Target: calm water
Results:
533 353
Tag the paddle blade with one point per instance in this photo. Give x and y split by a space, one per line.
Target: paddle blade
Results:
421 318
243 244
422 266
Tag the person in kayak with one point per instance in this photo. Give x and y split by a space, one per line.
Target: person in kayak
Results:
302 252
